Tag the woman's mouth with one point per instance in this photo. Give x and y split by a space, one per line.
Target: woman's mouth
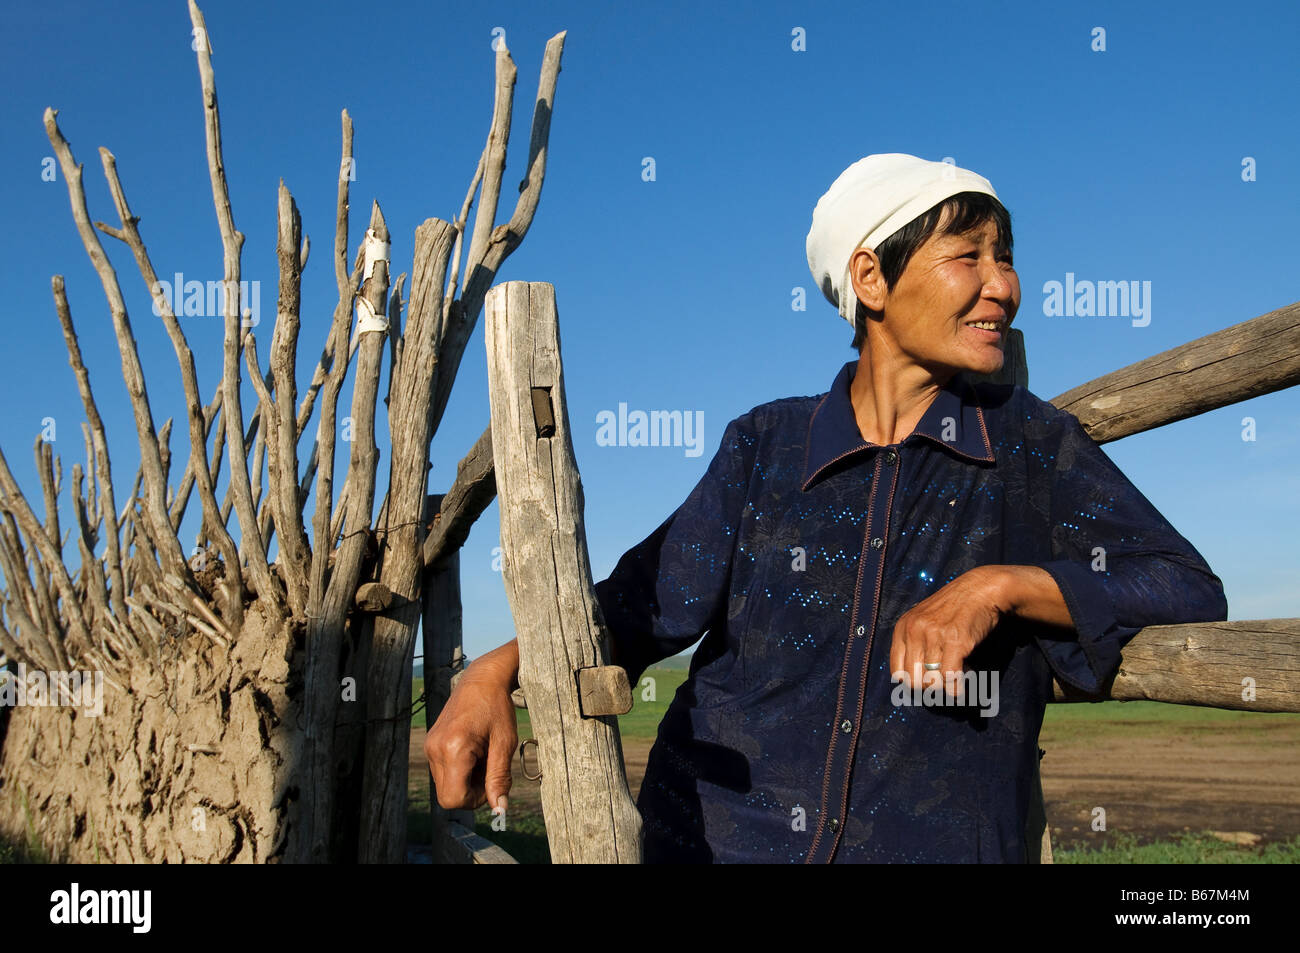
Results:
987 330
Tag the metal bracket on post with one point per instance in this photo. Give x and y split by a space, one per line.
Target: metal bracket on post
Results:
543 413
602 690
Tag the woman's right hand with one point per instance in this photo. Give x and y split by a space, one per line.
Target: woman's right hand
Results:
470 745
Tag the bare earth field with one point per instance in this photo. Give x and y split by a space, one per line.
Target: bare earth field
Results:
1160 784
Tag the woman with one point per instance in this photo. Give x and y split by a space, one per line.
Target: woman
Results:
886 576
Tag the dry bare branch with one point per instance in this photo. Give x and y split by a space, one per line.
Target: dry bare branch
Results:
11 648
394 330
259 451
92 509
93 585
364 460
132 372
504 239
286 502
323 452
494 158
323 371
40 643
165 453
45 470
177 510
196 416
232 243
16 504
454 282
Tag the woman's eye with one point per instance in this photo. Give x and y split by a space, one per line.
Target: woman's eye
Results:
976 255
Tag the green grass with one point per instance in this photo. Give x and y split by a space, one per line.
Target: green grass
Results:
419 825
641 722
15 853
1123 848
525 839
417 702
29 852
1100 720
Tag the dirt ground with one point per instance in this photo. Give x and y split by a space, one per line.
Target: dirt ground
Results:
1160 784
1153 786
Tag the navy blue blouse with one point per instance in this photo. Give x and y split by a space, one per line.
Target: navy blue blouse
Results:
794 557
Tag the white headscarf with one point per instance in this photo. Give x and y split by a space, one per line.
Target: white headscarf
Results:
872 199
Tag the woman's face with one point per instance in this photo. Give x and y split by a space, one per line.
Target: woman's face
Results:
951 282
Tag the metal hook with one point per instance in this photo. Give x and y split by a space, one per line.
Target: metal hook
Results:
523 766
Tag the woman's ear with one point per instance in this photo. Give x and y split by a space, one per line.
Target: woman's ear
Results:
867 278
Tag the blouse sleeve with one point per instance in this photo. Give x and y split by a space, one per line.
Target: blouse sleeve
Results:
1119 564
670 588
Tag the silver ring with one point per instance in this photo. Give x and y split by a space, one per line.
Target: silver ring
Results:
932 666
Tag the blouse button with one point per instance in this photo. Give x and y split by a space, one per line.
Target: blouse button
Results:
861 630
891 457
877 543
846 726
834 824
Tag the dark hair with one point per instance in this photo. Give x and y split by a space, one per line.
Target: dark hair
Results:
968 210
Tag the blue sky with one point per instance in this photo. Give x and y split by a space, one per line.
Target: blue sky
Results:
675 294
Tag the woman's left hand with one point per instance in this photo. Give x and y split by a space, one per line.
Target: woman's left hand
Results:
945 627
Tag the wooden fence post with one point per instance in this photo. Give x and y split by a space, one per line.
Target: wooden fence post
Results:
441 633
590 815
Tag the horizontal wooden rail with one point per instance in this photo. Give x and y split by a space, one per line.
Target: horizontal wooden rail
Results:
1213 664
463 846
474 488
1247 360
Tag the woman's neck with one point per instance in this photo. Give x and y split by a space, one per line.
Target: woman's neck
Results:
890 397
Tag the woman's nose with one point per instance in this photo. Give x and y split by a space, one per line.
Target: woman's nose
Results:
1000 282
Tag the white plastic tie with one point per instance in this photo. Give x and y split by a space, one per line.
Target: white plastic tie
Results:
367 320
374 250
